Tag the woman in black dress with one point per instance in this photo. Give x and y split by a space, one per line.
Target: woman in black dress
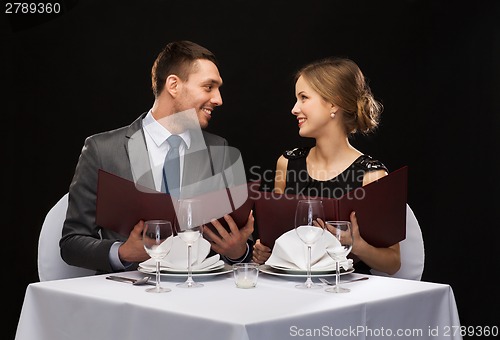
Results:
333 102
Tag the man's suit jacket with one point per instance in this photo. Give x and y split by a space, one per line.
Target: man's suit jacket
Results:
123 152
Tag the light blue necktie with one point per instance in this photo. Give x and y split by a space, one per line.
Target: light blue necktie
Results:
171 167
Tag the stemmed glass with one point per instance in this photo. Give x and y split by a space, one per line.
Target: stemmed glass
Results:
342 231
189 229
157 244
309 225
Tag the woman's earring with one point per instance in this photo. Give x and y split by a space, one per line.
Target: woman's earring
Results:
332 115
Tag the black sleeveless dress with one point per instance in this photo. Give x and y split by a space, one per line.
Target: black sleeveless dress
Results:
298 181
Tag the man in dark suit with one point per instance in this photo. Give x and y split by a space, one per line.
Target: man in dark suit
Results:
186 83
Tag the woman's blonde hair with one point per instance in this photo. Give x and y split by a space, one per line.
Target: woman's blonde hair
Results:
340 81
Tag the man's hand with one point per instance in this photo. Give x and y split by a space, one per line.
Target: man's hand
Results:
232 244
133 249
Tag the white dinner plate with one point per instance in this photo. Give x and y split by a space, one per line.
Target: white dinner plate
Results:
224 269
300 273
152 269
323 270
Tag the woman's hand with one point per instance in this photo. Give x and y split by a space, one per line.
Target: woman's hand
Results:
260 252
387 260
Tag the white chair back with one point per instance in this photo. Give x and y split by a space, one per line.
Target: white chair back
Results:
412 251
50 264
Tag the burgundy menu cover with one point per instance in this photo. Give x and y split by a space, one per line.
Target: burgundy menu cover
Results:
121 204
380 209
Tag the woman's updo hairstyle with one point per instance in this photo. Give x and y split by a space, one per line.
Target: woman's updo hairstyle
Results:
341 82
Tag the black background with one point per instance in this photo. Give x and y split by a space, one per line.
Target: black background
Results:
433 64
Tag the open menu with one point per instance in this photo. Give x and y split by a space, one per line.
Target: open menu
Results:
380 210
121 204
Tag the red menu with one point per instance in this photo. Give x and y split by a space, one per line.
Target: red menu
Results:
380 210
121 203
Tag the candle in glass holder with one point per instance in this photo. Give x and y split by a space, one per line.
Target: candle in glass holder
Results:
246 274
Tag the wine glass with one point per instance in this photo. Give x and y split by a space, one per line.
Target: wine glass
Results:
342 231
309 225
157 240
189 229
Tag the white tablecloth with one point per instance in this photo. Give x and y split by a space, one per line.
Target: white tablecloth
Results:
95 308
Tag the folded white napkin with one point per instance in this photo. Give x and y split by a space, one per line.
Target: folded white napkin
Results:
289 252
176 259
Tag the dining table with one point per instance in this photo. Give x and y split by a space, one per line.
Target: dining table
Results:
93 307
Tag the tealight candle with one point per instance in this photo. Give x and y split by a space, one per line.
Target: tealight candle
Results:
245 282
245 274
